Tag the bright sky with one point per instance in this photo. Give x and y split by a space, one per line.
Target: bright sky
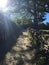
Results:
47 18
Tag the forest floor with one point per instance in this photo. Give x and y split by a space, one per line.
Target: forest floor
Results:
22 52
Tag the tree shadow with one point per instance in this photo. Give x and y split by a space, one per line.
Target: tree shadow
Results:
8 37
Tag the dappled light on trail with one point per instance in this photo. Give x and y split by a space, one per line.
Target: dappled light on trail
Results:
21 53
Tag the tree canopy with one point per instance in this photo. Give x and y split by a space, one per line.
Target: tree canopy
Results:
34 10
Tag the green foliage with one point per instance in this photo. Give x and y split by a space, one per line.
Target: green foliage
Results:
25 21
34 10
22 21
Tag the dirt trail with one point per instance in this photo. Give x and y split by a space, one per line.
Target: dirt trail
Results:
20 54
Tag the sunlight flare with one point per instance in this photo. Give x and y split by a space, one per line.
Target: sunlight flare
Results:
3 3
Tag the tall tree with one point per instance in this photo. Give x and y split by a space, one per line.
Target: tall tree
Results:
31 9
